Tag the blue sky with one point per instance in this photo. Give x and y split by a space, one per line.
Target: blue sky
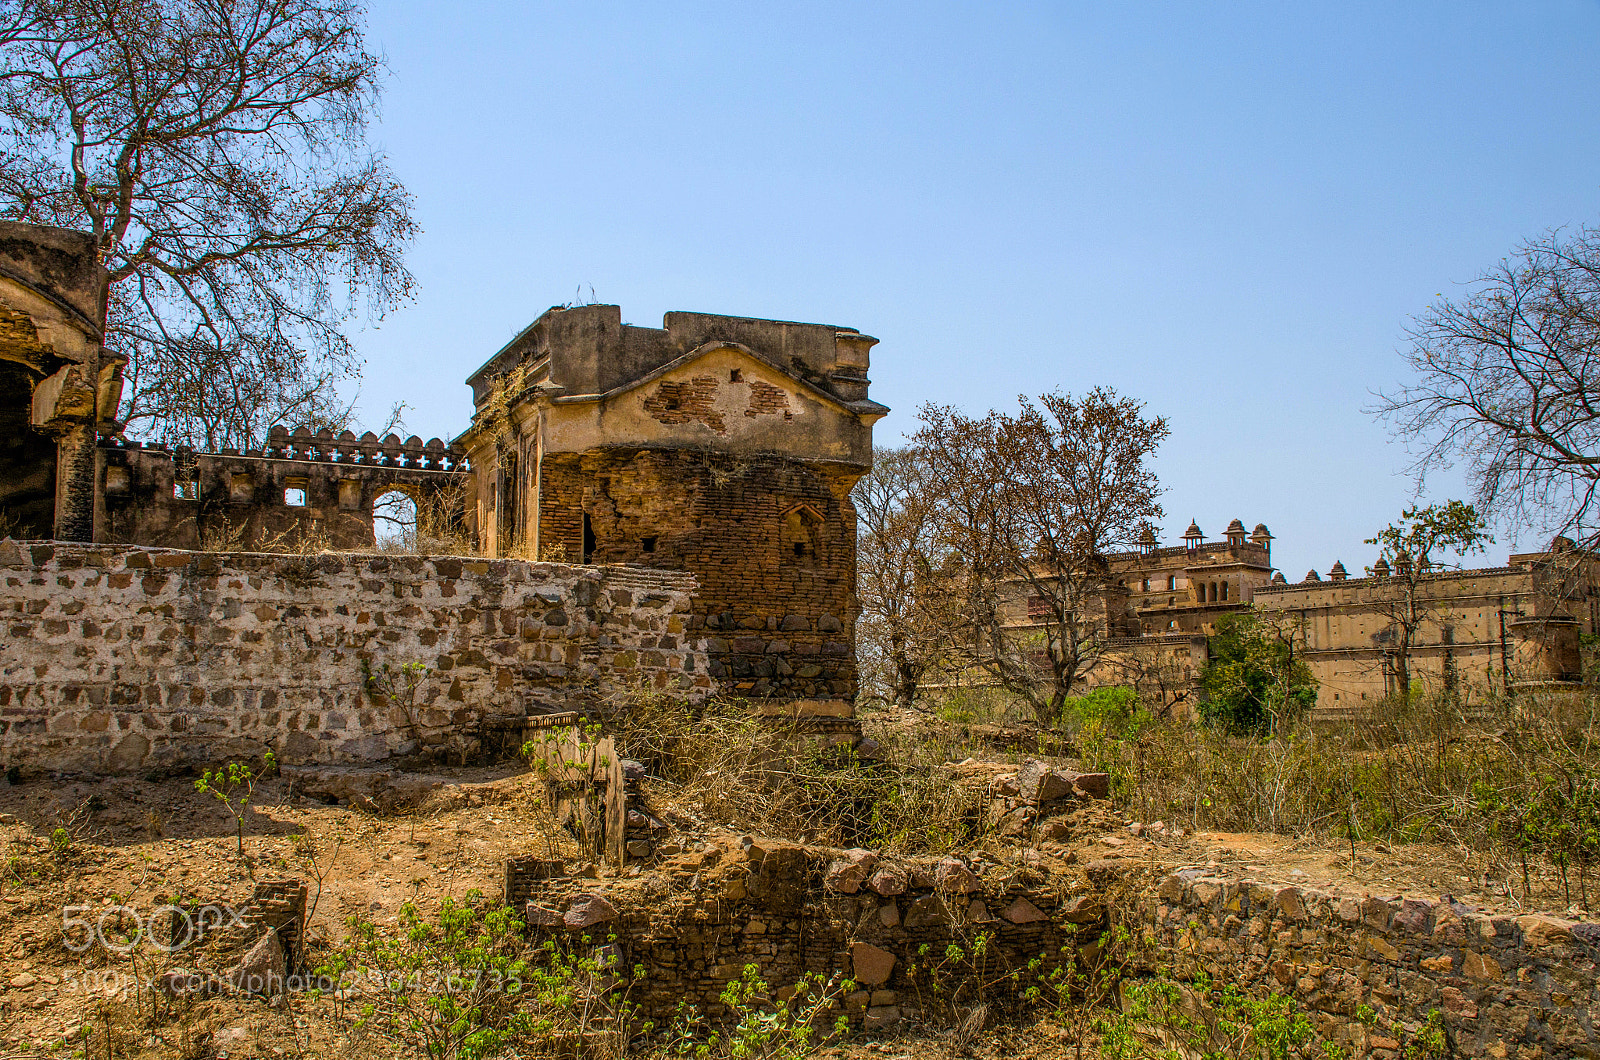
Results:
1226 210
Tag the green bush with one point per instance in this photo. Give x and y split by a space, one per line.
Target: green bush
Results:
469 984
1165 1018
1115 709
1252 682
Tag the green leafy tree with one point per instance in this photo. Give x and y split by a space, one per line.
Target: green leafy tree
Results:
1253 682
1410 549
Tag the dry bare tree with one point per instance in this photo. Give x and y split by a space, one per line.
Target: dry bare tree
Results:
1152 669
898 636
1031 505
216 150
1507 384
1410 554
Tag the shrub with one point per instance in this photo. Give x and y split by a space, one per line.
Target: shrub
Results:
758 1027
1252 682
748 772
234 785
1162 1017
1115 709
468 984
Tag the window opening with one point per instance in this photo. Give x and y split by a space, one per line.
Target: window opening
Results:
394 521
647 544
588 539
295 496
735 376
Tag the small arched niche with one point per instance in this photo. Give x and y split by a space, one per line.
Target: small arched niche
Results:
800 536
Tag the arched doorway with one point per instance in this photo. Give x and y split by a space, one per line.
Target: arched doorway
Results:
394 521
27 459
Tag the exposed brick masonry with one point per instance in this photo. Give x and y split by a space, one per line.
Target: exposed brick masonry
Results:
770 542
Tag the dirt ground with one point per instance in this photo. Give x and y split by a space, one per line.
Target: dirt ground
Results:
140 844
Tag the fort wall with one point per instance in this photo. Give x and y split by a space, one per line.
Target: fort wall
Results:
1502 986
122 659
298 489
1374 973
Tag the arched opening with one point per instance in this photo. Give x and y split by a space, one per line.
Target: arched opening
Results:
394 521
799 536
27 459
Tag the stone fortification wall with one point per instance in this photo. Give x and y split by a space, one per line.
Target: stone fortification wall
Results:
885 922
180 498
1504 986
120 659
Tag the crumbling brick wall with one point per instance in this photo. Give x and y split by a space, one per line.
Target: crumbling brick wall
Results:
1503 986
179 498
887 923
120 659
771 542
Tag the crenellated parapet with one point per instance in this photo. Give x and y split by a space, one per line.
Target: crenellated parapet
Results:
368 450
300 488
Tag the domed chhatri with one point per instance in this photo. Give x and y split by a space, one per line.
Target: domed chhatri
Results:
1147 539
1338 573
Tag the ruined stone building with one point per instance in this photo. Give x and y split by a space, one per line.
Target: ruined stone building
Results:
1519 625
58 387
66 473
723 446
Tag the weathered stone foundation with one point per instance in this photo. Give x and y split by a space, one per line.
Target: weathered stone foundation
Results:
1505 986
1369 971
122 659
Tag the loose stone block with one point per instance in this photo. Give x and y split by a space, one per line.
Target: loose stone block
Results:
870 966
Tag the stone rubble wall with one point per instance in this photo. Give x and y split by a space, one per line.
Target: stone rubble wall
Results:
1505 986
770 541
119 659
790 910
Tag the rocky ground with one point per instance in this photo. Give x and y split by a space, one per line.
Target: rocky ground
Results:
111 851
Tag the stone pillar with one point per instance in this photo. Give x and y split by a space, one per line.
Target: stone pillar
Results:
64 407
75 492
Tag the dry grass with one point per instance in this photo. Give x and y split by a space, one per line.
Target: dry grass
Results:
1513 785
722 764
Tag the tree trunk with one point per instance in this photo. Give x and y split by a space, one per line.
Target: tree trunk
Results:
905 685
